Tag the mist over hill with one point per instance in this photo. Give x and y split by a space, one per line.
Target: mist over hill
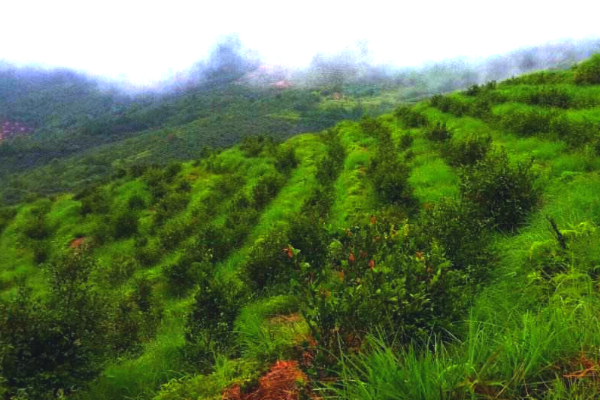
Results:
76 129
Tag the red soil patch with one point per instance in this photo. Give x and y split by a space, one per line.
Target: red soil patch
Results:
280 383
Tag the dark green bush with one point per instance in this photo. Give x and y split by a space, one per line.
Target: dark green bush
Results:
252 146
183 274
466 151
36 227
266 189
331 164
438 132
58 343
504 194
267 263
574 133
458 227
136 202
6 216
125 224
550 97
588 72
450 104
410 117
169 205
406 140
285 159
120 270
146 252
209 324
174 232
526 121
136 319
309 235
171 171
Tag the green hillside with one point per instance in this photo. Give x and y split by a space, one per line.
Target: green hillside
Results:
448 250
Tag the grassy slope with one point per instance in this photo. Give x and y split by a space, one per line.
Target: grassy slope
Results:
523 329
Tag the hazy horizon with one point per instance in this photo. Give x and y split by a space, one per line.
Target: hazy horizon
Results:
143 43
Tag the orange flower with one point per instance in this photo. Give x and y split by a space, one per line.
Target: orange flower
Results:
372 264
340 275
351 258
373 220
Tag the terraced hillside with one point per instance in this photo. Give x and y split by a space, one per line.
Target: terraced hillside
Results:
449 250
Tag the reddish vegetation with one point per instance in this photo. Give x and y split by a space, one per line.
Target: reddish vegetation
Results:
77 243
588 369
280 383
10 129
282 319
288 251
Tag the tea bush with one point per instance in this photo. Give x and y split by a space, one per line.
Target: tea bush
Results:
503 193
467 150
438 132
410 118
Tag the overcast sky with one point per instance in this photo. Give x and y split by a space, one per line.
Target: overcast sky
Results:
142 40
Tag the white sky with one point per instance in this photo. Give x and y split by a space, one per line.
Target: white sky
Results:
142 40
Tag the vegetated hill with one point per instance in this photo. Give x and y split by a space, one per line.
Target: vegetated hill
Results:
447 250
86 130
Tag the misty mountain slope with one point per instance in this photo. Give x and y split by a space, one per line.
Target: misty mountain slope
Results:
84 128
373 259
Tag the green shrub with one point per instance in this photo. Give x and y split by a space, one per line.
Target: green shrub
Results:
6 216
136 319
331 164
209 324
450 104
459 229
120 269
503 193
588 72
524 120
268 262
410 117
175 231
406 140
438 132
183 274
136 202
285 159
252 146
550 97
55 344
147 252
93 200
171 171
266 189
36 227
169 205
125 224
574 133
467 150
379 280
